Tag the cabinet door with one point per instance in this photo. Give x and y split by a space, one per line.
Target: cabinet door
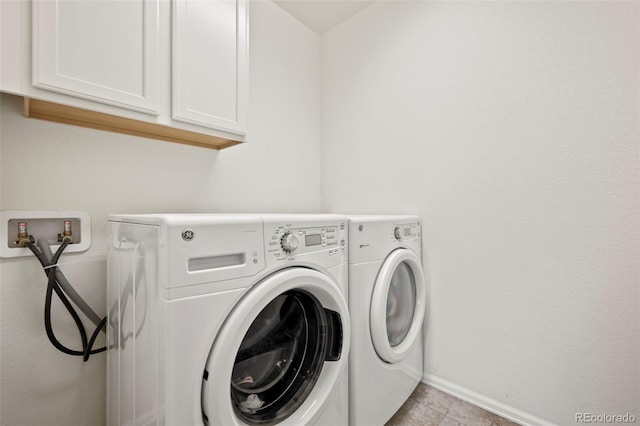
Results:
10 47
210 64
102 50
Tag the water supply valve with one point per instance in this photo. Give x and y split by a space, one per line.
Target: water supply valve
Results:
23 235
66 233
18 228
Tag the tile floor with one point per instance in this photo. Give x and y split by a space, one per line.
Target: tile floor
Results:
430 407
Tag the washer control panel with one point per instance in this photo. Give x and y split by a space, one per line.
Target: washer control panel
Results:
405 231
286 241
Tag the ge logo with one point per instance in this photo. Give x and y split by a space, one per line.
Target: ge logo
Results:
188 234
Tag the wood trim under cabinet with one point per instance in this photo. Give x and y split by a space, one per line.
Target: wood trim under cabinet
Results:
43 110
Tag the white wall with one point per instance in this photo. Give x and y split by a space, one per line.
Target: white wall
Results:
53 166
512 129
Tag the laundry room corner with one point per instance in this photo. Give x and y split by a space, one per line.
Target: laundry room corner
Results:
51 166
511 129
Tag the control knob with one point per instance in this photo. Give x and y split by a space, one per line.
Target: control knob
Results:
289 242
397 233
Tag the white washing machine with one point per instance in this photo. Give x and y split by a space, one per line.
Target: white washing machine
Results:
228 320
387 302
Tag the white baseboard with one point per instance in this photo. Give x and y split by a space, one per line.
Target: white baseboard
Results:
497 407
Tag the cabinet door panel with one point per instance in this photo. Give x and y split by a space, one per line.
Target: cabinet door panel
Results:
102 50
11 47
210 65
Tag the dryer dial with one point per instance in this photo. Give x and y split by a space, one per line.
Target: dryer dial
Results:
289 242
397 233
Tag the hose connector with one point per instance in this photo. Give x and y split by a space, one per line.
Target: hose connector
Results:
23 235
66 233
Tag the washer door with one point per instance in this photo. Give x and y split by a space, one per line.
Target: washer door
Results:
280 354
397 305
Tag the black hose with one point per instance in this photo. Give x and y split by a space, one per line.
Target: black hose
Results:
50 269
45 248
51 286
88 351
47 318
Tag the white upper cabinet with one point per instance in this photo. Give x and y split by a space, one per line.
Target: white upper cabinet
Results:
11 47
173 70
102 50
209 63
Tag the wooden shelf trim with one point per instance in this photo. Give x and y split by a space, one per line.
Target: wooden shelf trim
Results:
43 110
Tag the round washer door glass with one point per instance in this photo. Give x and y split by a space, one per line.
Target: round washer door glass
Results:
281 353
397 305
401 304
280 358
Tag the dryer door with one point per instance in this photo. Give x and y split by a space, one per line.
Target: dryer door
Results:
280 354
397 305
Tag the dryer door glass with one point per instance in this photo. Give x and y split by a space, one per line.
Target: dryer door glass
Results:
401 303
397 306
280 358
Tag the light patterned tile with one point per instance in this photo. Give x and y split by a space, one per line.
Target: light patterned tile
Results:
418 392
418 415
428 406
470 415
438 400
448 421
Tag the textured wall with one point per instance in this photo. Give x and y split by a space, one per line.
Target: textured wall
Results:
512 129
53 166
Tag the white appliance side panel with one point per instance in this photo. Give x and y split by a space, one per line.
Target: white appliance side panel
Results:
132 362
210 63
104 51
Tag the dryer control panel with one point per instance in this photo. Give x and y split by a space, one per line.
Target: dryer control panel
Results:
373 237
405 231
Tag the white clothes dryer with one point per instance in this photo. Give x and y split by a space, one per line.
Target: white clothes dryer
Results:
387 302
228 320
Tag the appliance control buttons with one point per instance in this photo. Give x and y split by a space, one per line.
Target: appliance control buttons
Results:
289 242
